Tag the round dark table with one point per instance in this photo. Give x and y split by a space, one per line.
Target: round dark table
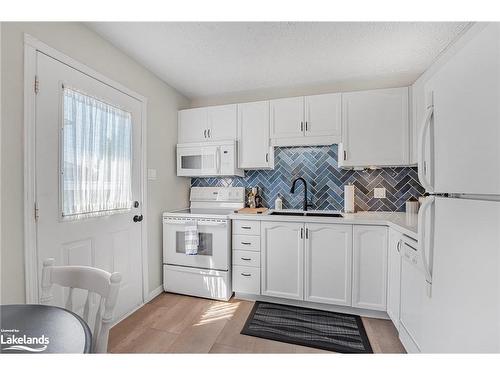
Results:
42 329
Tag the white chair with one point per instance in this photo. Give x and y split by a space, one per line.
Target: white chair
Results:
94 281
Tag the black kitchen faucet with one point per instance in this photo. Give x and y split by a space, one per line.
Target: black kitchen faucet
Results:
292 191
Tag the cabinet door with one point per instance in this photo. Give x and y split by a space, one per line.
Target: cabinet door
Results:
253 136
287 118
369 267
323 115
282 259
394 276
328 263
222 122
375 128
192 125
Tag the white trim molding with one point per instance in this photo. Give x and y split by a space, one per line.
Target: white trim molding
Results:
154 293
31 47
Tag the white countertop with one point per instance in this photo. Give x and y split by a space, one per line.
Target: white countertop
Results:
401 221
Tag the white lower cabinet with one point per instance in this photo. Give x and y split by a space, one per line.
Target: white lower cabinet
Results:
282 261
369 284
246 279
394 276
328 263
336 264
246 256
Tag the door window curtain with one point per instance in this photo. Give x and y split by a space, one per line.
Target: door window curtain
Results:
97 157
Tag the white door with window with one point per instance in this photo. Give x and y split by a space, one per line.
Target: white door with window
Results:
88 178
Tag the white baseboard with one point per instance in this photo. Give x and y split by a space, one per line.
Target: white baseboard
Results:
313 305
154 293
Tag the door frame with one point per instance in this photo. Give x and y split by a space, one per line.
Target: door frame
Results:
31 47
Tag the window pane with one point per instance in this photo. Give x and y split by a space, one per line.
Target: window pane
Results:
97 156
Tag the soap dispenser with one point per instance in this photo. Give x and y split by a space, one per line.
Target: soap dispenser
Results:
278 203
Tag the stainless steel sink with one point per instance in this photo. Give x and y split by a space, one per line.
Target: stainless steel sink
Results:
285 213
301 213
324 214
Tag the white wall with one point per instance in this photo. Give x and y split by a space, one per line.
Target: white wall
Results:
82 44
311 89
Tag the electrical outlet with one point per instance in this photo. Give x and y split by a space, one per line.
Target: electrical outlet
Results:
379 192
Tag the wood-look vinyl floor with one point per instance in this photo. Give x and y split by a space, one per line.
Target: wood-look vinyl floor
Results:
173 323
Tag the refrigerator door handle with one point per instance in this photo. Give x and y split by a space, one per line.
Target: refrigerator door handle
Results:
429 201
421 151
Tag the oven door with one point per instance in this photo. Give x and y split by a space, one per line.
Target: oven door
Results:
213 248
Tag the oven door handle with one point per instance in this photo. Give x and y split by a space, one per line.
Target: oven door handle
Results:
212 223
198 222
180 222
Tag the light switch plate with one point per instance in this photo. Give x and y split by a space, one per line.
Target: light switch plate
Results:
379 193
151 174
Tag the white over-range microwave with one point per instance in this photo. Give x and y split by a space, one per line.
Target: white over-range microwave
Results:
208 159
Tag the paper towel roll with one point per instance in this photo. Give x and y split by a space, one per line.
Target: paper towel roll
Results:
349 198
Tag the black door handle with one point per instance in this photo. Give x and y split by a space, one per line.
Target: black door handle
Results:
138 218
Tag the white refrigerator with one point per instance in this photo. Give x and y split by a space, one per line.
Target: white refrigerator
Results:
450 281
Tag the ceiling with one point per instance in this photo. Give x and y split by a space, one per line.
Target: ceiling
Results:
209 59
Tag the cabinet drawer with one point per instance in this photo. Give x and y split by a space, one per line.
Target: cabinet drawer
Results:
246 279
246 227
246 258
242 242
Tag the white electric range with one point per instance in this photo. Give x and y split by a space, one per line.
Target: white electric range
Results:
208 273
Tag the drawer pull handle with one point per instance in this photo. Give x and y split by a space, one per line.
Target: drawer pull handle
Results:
246 227
246 243
246 258
246 274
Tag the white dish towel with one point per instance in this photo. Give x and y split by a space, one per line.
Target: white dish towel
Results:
191 239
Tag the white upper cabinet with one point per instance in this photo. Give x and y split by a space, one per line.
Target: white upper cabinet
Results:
192 125
222 122
254 148
216 123
369 257
375 128
306 121
287 118
282 259
328 263
323 116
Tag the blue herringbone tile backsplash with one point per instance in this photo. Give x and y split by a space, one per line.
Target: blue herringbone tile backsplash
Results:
318 165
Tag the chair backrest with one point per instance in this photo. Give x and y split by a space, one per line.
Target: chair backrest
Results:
96 282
